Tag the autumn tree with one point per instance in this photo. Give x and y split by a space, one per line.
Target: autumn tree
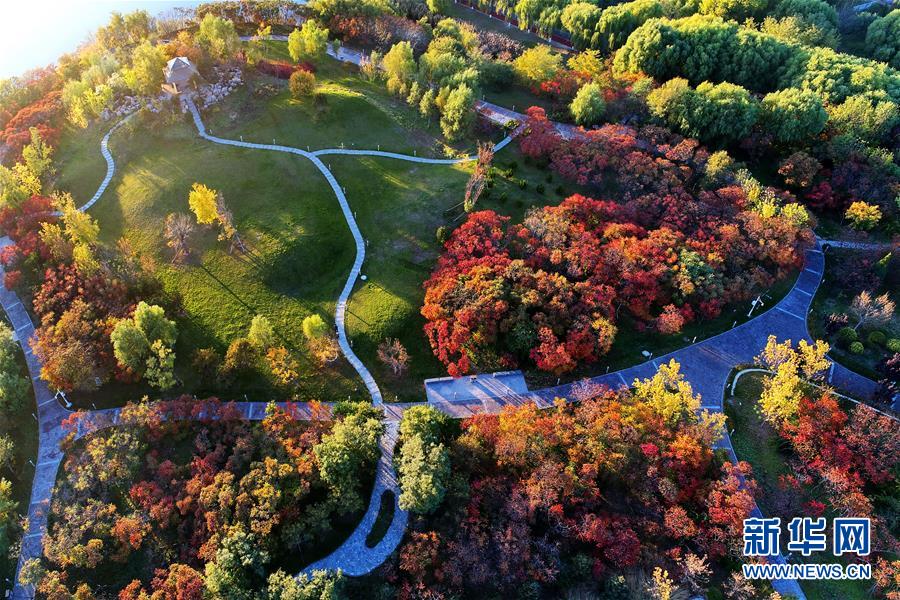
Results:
238 567
145 76
544 491
302 83
537 64
423 473
75 350
322 345
314 326
670 321
160 371
203 203
261 333
782 392
7 452
862 215
240 358
178 231
399 65
883 39
792 115
717 113
394 356
37 156
321 585
871 311
285 368
209 207
256 47
457 115
7 515
82 231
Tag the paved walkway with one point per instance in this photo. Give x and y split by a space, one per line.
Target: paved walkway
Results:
50 434
706 366
851 245
110 163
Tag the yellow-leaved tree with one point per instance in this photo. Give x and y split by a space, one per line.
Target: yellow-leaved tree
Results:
782 392
204 203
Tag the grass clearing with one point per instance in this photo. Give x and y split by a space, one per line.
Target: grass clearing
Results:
286 213
80 166
347 109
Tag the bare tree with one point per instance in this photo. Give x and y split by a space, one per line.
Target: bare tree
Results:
392 353
871 311
477 181
586 389
739 588
229 231
178 231
696 572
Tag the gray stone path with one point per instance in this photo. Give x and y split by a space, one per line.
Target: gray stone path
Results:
50 414
110 163
349 558
852 245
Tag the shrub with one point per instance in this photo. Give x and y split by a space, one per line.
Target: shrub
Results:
540 188
836 321
883 39
877 338
862 215
302 83
847 336
857 348
893 345
314 327
240 357
282 69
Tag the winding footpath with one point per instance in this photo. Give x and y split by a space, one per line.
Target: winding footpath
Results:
707 365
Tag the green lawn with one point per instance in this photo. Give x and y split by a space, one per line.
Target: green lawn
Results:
346 110
301 249
21 426
757 443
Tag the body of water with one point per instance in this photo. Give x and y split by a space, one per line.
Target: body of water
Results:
36 33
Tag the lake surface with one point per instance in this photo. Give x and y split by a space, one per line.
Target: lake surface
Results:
35 33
